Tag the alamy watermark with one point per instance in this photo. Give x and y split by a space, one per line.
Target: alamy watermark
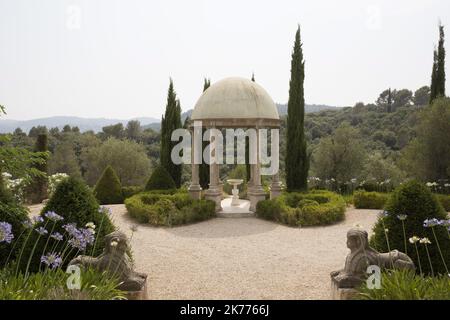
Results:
189 149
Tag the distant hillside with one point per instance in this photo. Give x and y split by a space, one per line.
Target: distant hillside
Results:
85 124
96 124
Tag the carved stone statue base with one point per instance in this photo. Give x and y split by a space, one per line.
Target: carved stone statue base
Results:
342 293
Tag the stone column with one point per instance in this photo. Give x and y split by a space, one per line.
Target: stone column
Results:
256 192
213 193
195 190
275 187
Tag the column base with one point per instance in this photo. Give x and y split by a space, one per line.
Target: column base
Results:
216 196
275 190
255 195
195 191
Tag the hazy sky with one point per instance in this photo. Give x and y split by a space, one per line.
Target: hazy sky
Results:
111 58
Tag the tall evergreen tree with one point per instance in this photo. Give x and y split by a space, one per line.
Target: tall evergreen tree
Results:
437 87
37 190
297 159
170 122
389 101
204 167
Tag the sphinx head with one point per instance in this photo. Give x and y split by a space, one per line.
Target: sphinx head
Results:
357 239
116 241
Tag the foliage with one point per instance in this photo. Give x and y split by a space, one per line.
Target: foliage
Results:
406 285
336 158
128 192
416 201
438 72
170 122
304 209
428 156
54 180
297 158
444 200
74 201
14 214
127 158
160 180
37 189
369 200
108 189
64 160
168 210
52 286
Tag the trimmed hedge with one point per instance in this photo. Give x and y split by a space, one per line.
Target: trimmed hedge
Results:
160 180
108 189
14 214
168 209
417 202
369 200
74 201
128 192
304 209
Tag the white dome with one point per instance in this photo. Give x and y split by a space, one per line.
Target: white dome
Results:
235 98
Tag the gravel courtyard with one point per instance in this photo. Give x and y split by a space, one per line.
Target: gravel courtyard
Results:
244 258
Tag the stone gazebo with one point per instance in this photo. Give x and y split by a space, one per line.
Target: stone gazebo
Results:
235 103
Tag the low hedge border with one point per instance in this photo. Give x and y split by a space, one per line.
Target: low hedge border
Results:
369 200
316 208
166 209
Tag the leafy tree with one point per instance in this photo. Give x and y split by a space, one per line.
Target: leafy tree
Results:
297 159
160 180
113 131
170 122
428 156
127 158
401 98
108 189
133 130
422 96
35 131
340 156
37 190
64 160
204 167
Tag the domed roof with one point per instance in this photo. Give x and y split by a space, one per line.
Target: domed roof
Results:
235 98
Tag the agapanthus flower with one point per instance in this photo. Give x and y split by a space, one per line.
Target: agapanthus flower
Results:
425 241
41 230
57 236
70 228
81 238
6 234
414 239
105 210
402 217
384 214
53 216
38 219
52 260
445 223
429 223
27 224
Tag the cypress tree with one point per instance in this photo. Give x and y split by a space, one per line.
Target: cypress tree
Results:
297 159
204 167
389 101
170 122
438 71
37 190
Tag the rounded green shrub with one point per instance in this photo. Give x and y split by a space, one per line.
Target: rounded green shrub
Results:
160 180
75 202
369 200
416 201
168 209
108 189
130 191
304 209
14 214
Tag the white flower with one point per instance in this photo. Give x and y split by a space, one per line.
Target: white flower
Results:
386 230
425 241
414 239
90 225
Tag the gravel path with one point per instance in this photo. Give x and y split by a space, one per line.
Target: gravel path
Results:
244 258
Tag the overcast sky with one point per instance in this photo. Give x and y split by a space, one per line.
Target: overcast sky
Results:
111 58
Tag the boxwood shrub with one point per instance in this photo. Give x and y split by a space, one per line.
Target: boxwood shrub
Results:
303 209
160 209
416 201
444 200
108 189
369 200
130 191
160 180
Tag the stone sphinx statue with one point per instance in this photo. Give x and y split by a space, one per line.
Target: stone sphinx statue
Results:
117 262
362 256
